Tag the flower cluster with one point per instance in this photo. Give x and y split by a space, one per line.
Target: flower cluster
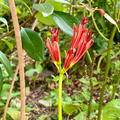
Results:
81 42
54 46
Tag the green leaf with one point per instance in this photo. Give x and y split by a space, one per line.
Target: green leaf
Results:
4 21
4 5
112 110
14 113
80 116
5 91
44 117
57 5
65 21
60 1
1 81
6 63
30 72
45 8
84 81
45 20
32 44
70 108
9 44
25 4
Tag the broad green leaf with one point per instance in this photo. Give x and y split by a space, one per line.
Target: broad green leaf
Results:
3 20
45 20
112 110
57 6
30 72
1 81
45 8
65 21
32 43
6 63
69 108
60 1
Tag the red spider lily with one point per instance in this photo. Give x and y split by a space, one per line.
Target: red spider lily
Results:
81 42
54 46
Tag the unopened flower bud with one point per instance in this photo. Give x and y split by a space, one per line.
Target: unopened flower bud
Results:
102 12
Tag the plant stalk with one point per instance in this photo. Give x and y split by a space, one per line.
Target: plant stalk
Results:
20 55
107 68
106 73
60 97
73 9
115 86
93 19
91 87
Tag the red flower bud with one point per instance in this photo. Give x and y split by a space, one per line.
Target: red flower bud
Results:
102 12
54 46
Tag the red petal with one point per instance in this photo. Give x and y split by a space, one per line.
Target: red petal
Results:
50 48
79 53
69 58
56 51
89 44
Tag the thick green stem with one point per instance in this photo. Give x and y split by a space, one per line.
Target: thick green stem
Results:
107 69
60 97
106 73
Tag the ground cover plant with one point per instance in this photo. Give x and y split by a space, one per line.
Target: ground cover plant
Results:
59 60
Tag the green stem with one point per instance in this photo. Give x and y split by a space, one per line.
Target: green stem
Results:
73 9
115 85
91 87
60 97
93 19
89 57
107 69
106 73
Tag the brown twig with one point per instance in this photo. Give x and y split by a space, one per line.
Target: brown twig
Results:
73 9
34 24
20 56
12 31
9 94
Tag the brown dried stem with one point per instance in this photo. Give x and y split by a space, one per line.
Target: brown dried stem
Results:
11 88
20 56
